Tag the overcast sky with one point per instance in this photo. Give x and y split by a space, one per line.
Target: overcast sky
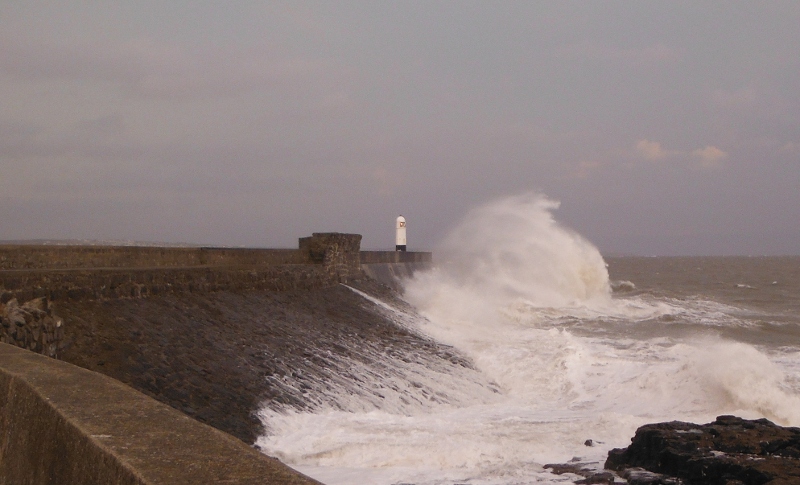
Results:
662 127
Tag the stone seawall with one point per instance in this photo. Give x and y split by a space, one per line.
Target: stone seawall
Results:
100 272
214 333
103 272
66 425
32 277
75 257
109 283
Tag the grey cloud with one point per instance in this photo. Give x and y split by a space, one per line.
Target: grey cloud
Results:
149 68
256 124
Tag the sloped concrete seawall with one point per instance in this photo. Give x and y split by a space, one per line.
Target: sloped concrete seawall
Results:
66 425
214 334
32 277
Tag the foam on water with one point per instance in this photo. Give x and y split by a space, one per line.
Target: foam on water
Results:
515 295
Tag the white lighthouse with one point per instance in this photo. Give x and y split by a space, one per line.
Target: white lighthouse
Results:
400 234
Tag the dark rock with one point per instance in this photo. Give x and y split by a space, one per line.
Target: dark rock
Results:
729 451
32 326
589 472
602 477
561 468
640 476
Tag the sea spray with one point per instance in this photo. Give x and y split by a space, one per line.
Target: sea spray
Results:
529 303
511 251
511 271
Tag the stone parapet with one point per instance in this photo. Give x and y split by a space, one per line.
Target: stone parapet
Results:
104 272
96 284
91 257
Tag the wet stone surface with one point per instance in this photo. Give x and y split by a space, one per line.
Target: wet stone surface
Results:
220 356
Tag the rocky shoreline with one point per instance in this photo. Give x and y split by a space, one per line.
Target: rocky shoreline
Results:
727 451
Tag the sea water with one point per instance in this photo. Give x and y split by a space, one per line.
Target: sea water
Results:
567 347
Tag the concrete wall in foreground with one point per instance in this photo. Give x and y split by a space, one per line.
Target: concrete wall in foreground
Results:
64 425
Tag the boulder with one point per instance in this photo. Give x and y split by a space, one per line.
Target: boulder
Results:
32 326
728 451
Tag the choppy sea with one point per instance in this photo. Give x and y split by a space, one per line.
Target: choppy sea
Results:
566 346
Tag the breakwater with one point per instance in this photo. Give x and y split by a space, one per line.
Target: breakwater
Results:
215 333
103 272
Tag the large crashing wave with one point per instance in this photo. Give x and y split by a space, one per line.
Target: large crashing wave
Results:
511 252
511 274
509 277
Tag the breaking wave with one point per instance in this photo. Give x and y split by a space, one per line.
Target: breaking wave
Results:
565 359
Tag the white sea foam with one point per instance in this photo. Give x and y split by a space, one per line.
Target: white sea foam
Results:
622 286
509 251
513 284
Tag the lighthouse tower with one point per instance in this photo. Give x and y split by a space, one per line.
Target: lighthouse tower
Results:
400 234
